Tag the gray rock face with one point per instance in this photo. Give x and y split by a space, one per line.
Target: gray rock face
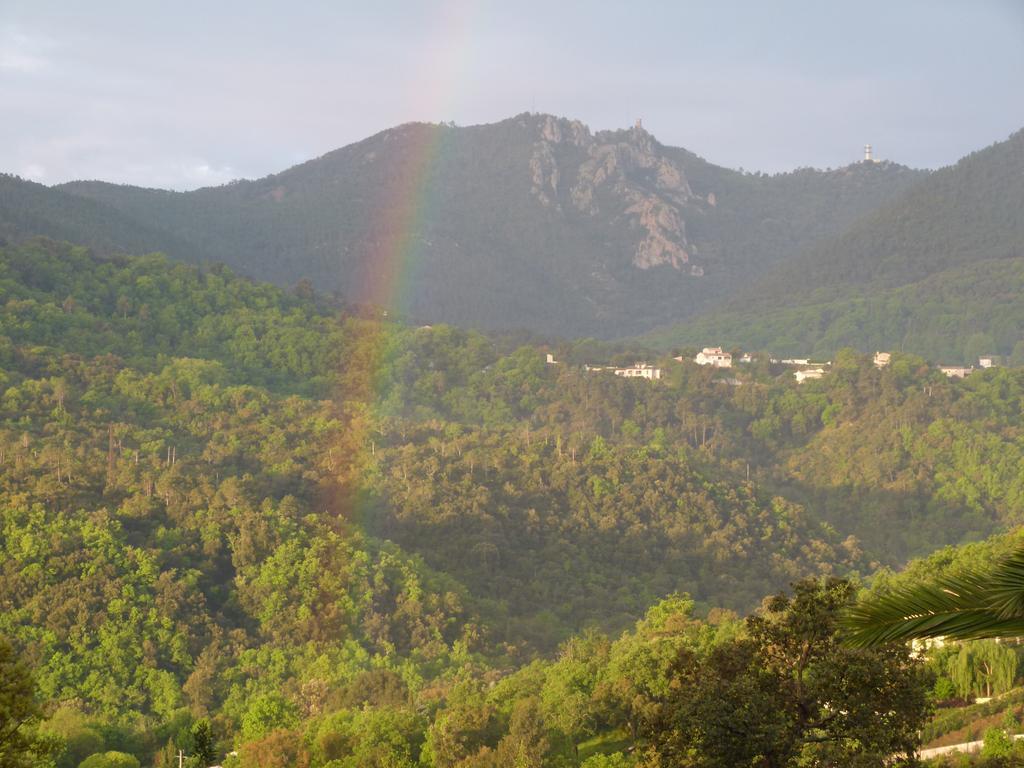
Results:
544 174
622 175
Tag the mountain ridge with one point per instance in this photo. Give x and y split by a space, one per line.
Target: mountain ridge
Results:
535 222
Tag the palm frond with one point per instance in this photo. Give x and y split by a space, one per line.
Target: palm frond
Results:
1007 585
964 607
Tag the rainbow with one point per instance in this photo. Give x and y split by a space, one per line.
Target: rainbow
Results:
404 202
389 259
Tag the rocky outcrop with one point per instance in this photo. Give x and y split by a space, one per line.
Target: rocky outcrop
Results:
622 174
555 130
544 169
663 233
544 174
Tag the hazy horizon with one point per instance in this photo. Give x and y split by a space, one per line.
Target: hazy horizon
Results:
191 96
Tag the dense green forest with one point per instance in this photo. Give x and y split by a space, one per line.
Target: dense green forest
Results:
239 518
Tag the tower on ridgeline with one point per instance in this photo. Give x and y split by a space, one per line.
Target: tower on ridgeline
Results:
867 154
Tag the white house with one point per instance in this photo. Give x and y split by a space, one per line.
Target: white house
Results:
808 373
882 359
988 361
715 356
955 371
639 371
550 360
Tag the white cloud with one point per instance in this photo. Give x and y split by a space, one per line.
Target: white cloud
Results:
34 172
23 52
204 174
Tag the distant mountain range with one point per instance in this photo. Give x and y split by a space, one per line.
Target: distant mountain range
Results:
537 222
533 222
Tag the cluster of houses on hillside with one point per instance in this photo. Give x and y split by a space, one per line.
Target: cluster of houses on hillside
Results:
638 370
806 370
719 358
961 371
712 356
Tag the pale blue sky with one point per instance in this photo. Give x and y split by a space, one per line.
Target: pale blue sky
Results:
186 94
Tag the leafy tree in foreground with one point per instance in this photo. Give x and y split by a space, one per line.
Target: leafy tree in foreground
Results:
110 760
19 713
526 745
77 735
968 606
203 749
791 693
637 674
997 743
567 695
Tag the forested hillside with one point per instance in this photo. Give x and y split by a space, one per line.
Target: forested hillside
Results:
959 215
335 537
533 222
936 272
29 209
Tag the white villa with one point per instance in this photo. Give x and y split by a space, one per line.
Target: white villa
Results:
988 361
882 359
715 356
808 373
639 371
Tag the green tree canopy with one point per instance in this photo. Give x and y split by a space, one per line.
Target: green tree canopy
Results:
110 760
20 713
790 690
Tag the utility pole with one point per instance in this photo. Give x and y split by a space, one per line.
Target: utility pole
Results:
181 758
